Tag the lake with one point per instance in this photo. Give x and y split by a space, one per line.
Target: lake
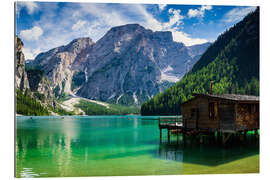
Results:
119 146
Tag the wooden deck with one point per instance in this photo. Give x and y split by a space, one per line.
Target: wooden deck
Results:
174 122
171 123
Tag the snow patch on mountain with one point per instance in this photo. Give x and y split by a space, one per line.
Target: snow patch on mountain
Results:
135 98
166 76
119 98
112 96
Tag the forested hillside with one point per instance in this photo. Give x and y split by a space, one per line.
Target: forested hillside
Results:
27 105
231 62
113 109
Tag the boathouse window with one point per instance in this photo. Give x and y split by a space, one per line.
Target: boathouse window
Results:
254 108
216 110
251 108
211 110
193 113
193 110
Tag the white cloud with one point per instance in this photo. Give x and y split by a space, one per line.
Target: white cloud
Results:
30 54
175 19
173 25
162 6
206 7
179 36
106 15
193 13
198 12
31 34
31 7
237 14
79 25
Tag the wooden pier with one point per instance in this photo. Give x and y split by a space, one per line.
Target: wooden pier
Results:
170 123
174 125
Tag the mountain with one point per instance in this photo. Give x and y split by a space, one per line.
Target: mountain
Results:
58 63
25 102
231 62
21 80
196 51
128 65
34 95
40 85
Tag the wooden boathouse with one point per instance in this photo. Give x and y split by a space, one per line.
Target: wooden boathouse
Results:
206 114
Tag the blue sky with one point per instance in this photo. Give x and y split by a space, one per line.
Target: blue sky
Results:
45 25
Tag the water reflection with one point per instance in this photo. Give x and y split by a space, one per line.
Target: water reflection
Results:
45 140
171 153
207 154
28 173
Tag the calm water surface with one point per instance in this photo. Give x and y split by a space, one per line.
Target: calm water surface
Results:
118 145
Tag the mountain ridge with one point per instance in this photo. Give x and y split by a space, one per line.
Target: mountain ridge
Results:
140 63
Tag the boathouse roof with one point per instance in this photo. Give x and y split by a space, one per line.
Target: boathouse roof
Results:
230 97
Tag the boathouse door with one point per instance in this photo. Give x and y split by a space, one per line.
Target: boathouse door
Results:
193 122
226 116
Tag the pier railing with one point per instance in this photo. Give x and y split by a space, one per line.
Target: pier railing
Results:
170 121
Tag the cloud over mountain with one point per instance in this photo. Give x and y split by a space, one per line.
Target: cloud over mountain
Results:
31 34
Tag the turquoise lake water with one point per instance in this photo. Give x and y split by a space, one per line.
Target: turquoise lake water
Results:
117 146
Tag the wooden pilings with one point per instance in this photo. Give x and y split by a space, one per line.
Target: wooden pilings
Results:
256 133
226 137
168 130
201 138
177 136
245 135
160 134
184 136
217 136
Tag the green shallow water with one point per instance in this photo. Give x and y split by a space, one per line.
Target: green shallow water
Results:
117 146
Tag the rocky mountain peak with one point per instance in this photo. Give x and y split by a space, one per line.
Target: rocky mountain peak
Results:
18 44
21 80
127 28
165 36
136 29
78 44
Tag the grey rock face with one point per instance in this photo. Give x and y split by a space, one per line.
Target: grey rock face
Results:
38 82
60 63
31 80
128 65
196 51
21 80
